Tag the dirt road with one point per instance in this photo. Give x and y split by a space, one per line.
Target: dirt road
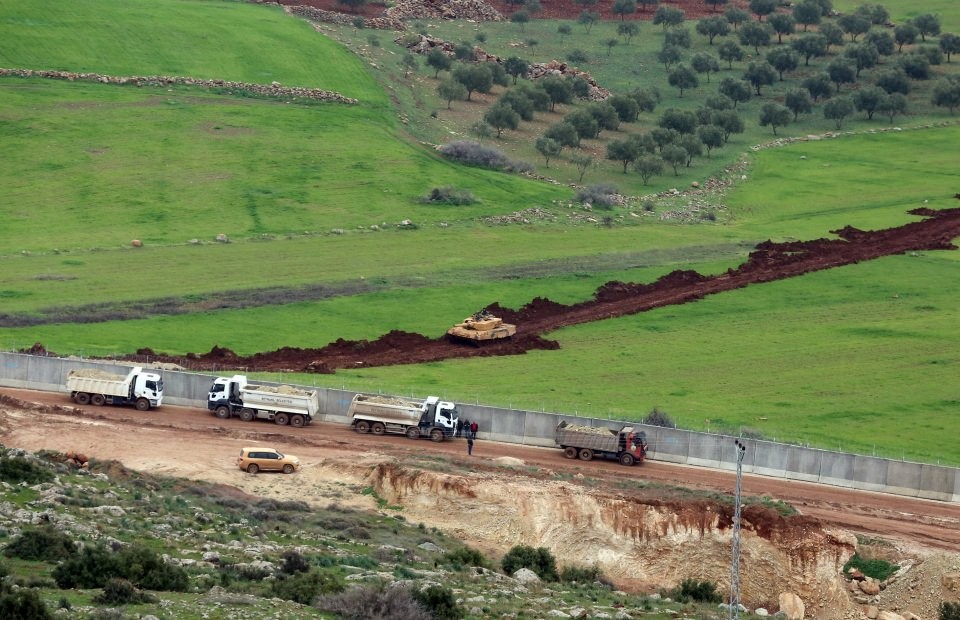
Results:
193 444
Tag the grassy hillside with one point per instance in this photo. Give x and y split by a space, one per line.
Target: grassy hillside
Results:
310 196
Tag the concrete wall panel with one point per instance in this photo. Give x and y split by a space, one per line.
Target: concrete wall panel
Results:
537 429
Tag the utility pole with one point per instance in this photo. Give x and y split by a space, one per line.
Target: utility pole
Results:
735 563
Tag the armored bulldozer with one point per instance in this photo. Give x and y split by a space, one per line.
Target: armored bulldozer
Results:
481 327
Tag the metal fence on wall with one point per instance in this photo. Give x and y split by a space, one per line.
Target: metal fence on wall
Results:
536 428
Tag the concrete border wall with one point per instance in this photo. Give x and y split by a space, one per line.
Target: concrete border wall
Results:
765 458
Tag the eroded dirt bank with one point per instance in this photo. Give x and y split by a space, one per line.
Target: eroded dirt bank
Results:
767 263
637 523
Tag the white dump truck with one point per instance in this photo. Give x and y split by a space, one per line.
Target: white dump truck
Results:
284 404
585 442
143 390
431 418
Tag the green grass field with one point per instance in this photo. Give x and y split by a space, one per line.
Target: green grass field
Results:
859 358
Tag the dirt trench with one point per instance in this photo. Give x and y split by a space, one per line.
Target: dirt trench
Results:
768 262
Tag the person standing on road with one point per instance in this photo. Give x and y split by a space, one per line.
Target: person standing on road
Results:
469 445
466 428
459 428
473 430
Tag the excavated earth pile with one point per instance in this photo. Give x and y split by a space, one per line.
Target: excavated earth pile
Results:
767 263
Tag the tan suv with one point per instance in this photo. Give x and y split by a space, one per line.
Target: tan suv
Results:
253 460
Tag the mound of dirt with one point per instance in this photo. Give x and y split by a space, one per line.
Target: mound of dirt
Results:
767 263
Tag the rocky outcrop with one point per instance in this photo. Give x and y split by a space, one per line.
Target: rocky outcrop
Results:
424 44
332 17
476 10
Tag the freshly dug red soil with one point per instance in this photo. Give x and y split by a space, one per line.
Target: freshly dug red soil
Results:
767 263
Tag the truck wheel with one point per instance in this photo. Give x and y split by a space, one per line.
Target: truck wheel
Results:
586 454
378 428
288 469
626 459
82 398
363 426
570 452
282 419
142 404
252 468
247 415
98 399
436 435
413 432
297 421
222 412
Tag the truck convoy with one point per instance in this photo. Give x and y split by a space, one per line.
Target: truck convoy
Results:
143 390
431 418
626 445
284 404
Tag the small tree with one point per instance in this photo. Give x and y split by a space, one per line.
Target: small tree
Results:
927 24
730 122
549 148
736 16
868 99
807 14
558 89
682 77
539 560
669 55
451 90
521 17
587 19
853 25
711 136
628 30
737 90
475 78
564 133
516 67
895 103
946 93
810 46
755 35
623 151
774 115
730 52
668 17
893 81
624 8
648 166
798 101
782 23
950 44
762 8
905 34
863 56
675 155
832 33
713 27
626 107
501 116
760 74
584 122
564 30
838 109
583 163
783 59
610 43
818 86
841 71
705 63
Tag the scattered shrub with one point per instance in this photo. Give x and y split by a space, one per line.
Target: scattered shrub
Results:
42 544
122 592
580 574
539 560
464 557
474 153
949 611
23 604
440 601
599 195
15 470
374 601
577 55
450 195
294 563
305 588
358 22
876 569
697 591
658 418
94 566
